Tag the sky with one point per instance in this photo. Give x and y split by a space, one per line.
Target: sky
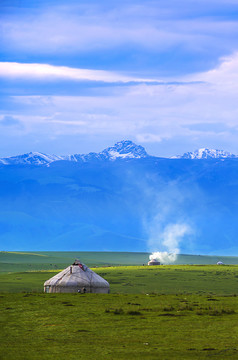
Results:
78 76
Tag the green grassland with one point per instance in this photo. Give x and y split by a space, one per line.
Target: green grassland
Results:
160 312
165 279
50 260
125 326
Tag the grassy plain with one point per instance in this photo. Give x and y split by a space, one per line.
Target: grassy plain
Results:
173 279
163 312
52 260
125 326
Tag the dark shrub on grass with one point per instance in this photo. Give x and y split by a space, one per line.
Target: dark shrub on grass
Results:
185 307
168 308
228 311
118 311
131 312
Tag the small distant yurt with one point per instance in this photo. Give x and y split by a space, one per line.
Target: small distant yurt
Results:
77 278
220 263
153 262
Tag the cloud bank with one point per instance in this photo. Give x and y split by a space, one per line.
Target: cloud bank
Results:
199 110
159 73
48 72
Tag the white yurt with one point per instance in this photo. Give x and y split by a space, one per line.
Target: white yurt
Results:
77 278
153 262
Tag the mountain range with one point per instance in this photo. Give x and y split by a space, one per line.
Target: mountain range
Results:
125 149
120 199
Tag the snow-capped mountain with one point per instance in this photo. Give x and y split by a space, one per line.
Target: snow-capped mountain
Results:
125 149
32 158
204 153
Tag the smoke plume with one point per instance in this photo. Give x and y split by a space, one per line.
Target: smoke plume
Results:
170 240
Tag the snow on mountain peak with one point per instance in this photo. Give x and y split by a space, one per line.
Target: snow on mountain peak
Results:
32 158
204 153
125 149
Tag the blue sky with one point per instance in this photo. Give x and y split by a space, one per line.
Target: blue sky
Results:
78 76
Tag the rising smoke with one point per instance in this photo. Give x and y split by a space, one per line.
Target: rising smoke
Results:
167 219
170 240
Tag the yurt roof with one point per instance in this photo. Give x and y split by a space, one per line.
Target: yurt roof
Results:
77 274
154 261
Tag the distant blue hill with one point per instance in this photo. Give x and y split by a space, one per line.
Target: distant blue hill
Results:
101 204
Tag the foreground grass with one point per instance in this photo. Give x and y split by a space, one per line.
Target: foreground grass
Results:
205 279
97 326
163 312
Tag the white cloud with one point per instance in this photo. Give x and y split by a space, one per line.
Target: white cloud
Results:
146 38
224 75
144 112
46 71
156 27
